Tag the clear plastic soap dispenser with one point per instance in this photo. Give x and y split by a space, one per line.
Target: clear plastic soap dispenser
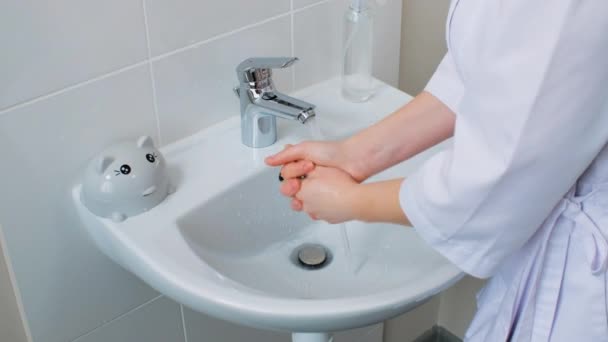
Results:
358 48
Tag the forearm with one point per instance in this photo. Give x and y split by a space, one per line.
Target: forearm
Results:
379 202
422 123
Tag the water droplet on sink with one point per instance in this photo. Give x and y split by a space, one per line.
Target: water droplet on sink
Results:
306 290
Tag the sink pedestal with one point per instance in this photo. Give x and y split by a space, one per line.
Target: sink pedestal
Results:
311 337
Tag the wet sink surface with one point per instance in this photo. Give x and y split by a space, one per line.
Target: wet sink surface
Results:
249 234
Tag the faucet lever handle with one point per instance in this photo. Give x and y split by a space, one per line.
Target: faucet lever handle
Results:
262 66
265 63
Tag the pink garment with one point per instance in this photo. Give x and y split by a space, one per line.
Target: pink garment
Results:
522 195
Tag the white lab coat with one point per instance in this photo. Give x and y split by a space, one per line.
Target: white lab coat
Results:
528 81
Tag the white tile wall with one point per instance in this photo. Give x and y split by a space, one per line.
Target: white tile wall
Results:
204 328
373 333
68 287
157 321
318 31
194 87
48 45
387 37
177 23
409 326
76 76
317 41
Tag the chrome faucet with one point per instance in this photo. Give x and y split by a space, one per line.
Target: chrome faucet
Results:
261 103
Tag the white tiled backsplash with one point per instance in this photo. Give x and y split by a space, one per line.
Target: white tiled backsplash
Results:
76 75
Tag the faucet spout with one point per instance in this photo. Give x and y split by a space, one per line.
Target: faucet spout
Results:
258 118
261 104
304 116
286 107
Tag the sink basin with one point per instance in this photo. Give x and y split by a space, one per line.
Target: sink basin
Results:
226 243
249 230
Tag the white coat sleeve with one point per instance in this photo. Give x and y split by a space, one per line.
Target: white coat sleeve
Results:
531 118
446 84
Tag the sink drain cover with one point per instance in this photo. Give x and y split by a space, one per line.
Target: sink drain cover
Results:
312 256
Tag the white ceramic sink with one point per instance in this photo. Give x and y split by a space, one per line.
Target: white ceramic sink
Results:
224 242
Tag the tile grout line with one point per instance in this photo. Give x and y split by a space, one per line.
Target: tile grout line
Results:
181 308
143 62
105 324
220 36
151 59
311 6
293 46
72 87
152 76
16 291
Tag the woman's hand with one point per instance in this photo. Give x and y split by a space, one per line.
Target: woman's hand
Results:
422 123
324 153
299 160
328 194
332 195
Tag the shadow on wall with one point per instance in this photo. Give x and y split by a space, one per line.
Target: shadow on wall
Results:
11 325
422 42
458 305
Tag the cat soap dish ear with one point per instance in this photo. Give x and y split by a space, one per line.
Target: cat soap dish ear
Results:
125 179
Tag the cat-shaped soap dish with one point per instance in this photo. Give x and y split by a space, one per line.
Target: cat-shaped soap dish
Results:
125 179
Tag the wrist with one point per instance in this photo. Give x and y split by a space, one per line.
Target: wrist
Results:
357 199
377 202
352 160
